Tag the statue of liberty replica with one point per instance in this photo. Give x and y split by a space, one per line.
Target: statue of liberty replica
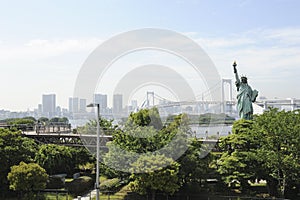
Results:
245 96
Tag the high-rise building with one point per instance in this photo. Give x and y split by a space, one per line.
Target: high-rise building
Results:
40 109
82 105
118 103
75 104
101 99
58 110
49 104
70 104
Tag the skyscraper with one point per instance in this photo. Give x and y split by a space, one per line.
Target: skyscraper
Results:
82 105
70 104
101 99
40 109
49 104
118 103
75 104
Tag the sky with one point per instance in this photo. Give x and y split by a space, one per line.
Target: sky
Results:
43 44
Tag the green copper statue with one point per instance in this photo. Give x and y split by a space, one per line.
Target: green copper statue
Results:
245 96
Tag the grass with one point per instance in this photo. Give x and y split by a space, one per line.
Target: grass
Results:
102 179
117 196
260 184
68 180
53 196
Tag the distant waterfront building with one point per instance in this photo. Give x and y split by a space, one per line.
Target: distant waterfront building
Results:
101 99
75 105
70 104
82 105
49 104
58 110
118 103
40 109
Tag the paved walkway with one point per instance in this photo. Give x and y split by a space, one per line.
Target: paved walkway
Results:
88 196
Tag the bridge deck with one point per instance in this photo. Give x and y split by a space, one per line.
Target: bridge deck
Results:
87 140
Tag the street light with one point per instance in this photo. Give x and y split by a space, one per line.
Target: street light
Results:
98 147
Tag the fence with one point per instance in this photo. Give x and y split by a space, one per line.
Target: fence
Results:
159 196
52 194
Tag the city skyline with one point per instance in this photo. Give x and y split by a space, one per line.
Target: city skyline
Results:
43 44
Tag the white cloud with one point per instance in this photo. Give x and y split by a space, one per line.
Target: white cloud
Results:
42 48
270 58
224 42
286 36
264 48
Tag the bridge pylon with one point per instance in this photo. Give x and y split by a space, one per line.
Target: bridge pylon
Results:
223 100
150 99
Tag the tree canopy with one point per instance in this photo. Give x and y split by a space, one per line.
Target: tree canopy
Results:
61 159
13 149
265 148
159 174
27 177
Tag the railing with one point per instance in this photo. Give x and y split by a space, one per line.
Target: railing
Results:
160 196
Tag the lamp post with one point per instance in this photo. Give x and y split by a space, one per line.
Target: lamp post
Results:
98 147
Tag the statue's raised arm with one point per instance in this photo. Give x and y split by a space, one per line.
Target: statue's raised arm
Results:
236 74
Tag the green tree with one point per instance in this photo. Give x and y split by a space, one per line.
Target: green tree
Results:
195 167
54 119
136 139
160 174
54 158
145 117
265 148
43 119
141 137
22 121
280 149
63 120
91 127
61 159
238 162
13 149
59 119
29 117
27 178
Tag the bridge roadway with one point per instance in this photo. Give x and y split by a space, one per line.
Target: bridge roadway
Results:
68 139
88 140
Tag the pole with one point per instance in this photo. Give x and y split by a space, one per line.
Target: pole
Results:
97 151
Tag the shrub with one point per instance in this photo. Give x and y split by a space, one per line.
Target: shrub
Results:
110 185
55 183
80 185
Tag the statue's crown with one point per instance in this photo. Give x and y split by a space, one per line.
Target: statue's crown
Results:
243 76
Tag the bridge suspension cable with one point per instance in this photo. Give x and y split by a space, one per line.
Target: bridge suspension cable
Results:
209 91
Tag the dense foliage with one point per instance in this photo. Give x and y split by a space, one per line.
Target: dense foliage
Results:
16 149
145 151
266 148
27 178
159 174
61 159
13 149
163 157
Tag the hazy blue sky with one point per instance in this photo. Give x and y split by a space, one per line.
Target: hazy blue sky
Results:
44 43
